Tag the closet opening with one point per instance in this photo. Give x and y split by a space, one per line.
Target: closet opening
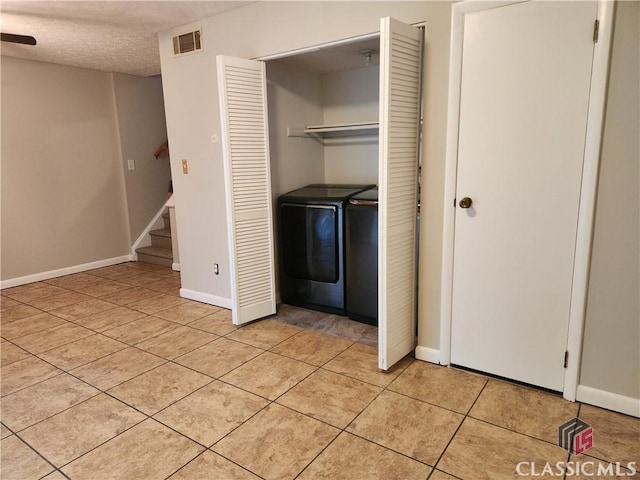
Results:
323 123
304 133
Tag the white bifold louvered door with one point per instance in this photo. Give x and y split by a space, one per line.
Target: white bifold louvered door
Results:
245 142
400 77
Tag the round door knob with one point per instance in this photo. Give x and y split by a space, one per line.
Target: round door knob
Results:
466 202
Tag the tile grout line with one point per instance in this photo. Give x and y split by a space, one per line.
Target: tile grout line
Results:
36 451
270 402
313 364
214 453
344 429
107 393
466 415
386 389
449 409
502 427
101 333
38 382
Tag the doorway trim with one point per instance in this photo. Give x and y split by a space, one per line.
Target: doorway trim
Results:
593 140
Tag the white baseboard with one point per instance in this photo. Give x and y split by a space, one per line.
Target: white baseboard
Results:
608 400
38 277
427 354
205 298
175 267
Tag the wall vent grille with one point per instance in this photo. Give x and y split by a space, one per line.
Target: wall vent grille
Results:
187 43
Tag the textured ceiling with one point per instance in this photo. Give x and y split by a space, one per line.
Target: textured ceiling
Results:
114 36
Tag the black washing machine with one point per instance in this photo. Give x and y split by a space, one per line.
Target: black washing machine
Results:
312 260
361 234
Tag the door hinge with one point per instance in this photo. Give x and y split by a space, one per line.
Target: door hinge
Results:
596 30
454 203
566 359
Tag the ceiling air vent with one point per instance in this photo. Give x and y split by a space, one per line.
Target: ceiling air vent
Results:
186 43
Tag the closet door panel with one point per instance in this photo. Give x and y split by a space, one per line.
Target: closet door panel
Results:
400 77
243 109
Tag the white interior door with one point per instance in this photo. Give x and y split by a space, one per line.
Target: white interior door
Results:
523 113
245 141
400 76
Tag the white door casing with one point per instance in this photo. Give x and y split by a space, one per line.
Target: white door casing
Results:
400 77
245 143
520 105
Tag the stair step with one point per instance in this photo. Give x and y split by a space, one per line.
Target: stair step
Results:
155 255
161 238
167 220
161 232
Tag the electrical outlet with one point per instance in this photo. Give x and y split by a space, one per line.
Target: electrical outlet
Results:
216 268
131 164
185 166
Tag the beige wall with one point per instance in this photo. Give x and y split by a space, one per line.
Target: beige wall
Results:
66 132
351 96
611 356
142 128
63 198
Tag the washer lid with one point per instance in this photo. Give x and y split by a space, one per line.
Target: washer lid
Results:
371 195
326 192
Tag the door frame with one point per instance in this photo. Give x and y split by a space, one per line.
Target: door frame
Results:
593 140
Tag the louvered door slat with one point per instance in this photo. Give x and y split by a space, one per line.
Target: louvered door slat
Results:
243 107
400 67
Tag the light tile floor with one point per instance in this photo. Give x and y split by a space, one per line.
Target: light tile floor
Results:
110 374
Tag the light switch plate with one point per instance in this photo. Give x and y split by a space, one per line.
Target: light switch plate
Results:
131 164
185 166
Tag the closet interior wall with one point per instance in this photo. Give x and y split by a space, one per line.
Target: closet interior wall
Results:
351 96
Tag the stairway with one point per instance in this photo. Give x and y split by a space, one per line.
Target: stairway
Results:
160 252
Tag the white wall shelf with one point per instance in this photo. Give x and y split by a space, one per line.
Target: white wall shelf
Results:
335 130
